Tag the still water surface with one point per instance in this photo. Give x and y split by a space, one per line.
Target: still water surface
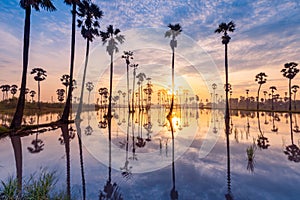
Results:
137 163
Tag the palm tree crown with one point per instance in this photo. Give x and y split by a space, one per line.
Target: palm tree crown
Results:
89 14
290 70
40 74
225 28
36 4
113 37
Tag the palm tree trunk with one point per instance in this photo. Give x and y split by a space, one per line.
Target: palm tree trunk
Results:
127 69
67 108
79 110
65 133
17 119
132 94
110 86
295 101
17 147
290 95
258 96
291 128
172 100
227 117
39 95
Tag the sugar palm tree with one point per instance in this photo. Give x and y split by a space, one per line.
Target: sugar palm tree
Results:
27 5
112 37
134 66
13 90
260 79
32 94
65 79
272 88
89 14
40 76
289 71
173 32
5 89
141 77
89 87
60 94
295 90
128 55
225 28
66 112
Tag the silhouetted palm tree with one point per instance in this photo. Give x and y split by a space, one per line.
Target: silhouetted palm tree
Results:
295 90
225 28
260 79
66 112
113 38
40 76
89 14
134 66
38 145
272 88
141 77
289 71
89 87
13 90
172 33
5 89
65 79
27 5
32 94
60 94
128 55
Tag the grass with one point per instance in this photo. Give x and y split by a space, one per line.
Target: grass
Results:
36 187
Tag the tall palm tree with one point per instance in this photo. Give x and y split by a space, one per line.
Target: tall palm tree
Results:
273 89
112 37
247 98
13 90
260 79
141 76
289 71
225 28
60 94
173 32
134 66
65 79
27 5
66 112
40 76
89 87
89 14
295 90
128 55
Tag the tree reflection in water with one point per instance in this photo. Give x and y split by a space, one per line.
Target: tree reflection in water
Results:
292 151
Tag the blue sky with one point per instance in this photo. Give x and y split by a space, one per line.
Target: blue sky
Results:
266 36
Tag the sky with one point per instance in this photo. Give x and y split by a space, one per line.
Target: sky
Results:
266 37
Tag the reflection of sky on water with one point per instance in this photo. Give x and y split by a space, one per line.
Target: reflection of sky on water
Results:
274 177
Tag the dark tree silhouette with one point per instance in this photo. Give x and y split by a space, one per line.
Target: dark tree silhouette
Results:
134 66
112 37
40 76
66 112
65 79
27 5
60 94
260 79
272 88
5 89
13 90
89 86
225 28
141 77
89 14
128 55
32 94
289 71
295 90
173 32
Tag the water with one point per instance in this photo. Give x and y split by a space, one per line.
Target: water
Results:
200 170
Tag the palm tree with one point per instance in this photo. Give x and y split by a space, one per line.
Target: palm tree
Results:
135 66
5 89
40 76
13 90
173 32
260 79
65 79
141 76
120 94
112 37
295 90
272 88
289 71
66 112
224 28
60 94
247 98
32 93
127 56
27 5
89 14
89 87
26 92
